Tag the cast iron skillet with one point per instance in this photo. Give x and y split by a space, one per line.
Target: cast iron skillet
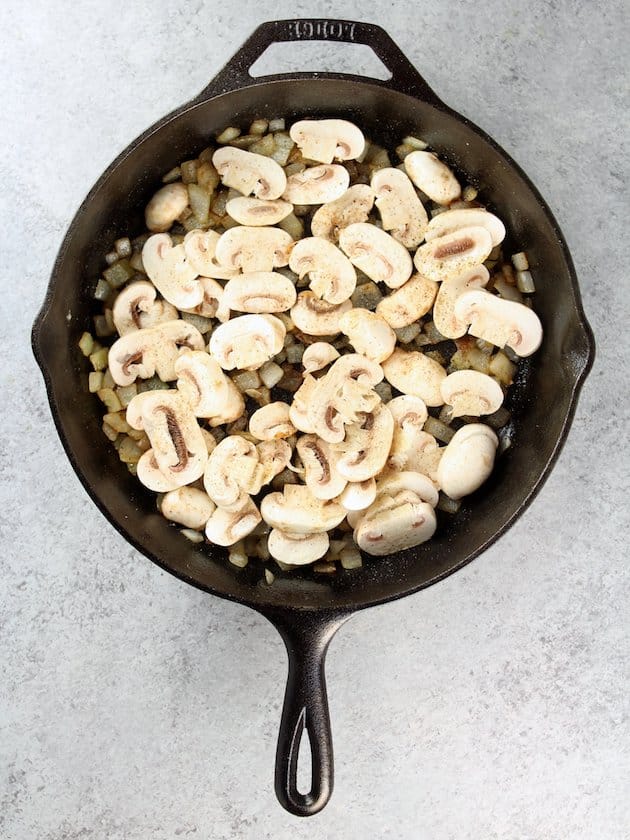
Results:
307 610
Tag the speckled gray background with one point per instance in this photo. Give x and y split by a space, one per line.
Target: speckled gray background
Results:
493 705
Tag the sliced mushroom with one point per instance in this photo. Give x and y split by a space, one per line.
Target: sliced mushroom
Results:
369 334
226 527
453 220
188 506
467 460
433 177
352 206
247 342
233 472
471 393
317 184
212 295
363 452
318 356
402 212
152 350
376 254
200 248
298 412
297 549
320 476
136 308
326 140
411 301
448 256
256 212
418 483
424 457
170 272
500 322
209 391
444 307
271 422
298 511
395 528
274 456
314 316
358 495
254 248
165 207
152 476
410 414
257 292
250 173
332 275
415 374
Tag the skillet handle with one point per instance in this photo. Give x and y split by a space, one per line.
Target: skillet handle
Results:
306 636
405 78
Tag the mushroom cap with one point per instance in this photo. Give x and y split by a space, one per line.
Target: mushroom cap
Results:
500 322
298 511
254 248
414 373
314 316
433 177
363 452
376 254
408 411
298 411
227 527
136 308
168 203
448 256
170 272
391 530
471 393
325 140
297 549
410 414
406 304
152 476
247 342
332 275
200 248
443 309
369 333
352 206
402 212
454 220
358 495
257 292
212 294
418 483
250 173
209 391
468 460
188 506
256 212
318 355
271 422
152 350
423 457
320 474
317 184
232 472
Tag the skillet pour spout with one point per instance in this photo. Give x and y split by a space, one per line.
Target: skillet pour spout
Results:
308 610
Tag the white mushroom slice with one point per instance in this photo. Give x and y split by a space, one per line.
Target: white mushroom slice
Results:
402 212
453 220
358 495
448 256
443 309
152 476
254 248
325 140
209 391
433 177
298 412
232 472
411 301
188 506
136 308
471 393
342 395
500 322
318 355
271 422
314 316
416 482
170 272
415 374
369 334
410 414
332 275
376 254
274 456
320 476
257 292
467 460
363 452
212 294
178 446
250 173
200 248
247 342
146 352
353 206
297 549
165 207
226 527
209 439
404 526
317 184
424 457
256 212
298 511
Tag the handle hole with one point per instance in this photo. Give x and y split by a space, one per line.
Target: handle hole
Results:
304 773
322 56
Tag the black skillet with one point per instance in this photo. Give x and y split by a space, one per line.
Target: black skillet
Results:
307 610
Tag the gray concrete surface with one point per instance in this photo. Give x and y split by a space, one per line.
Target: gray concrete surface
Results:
493 705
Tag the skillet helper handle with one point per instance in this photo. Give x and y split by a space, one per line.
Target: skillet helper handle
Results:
405 78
